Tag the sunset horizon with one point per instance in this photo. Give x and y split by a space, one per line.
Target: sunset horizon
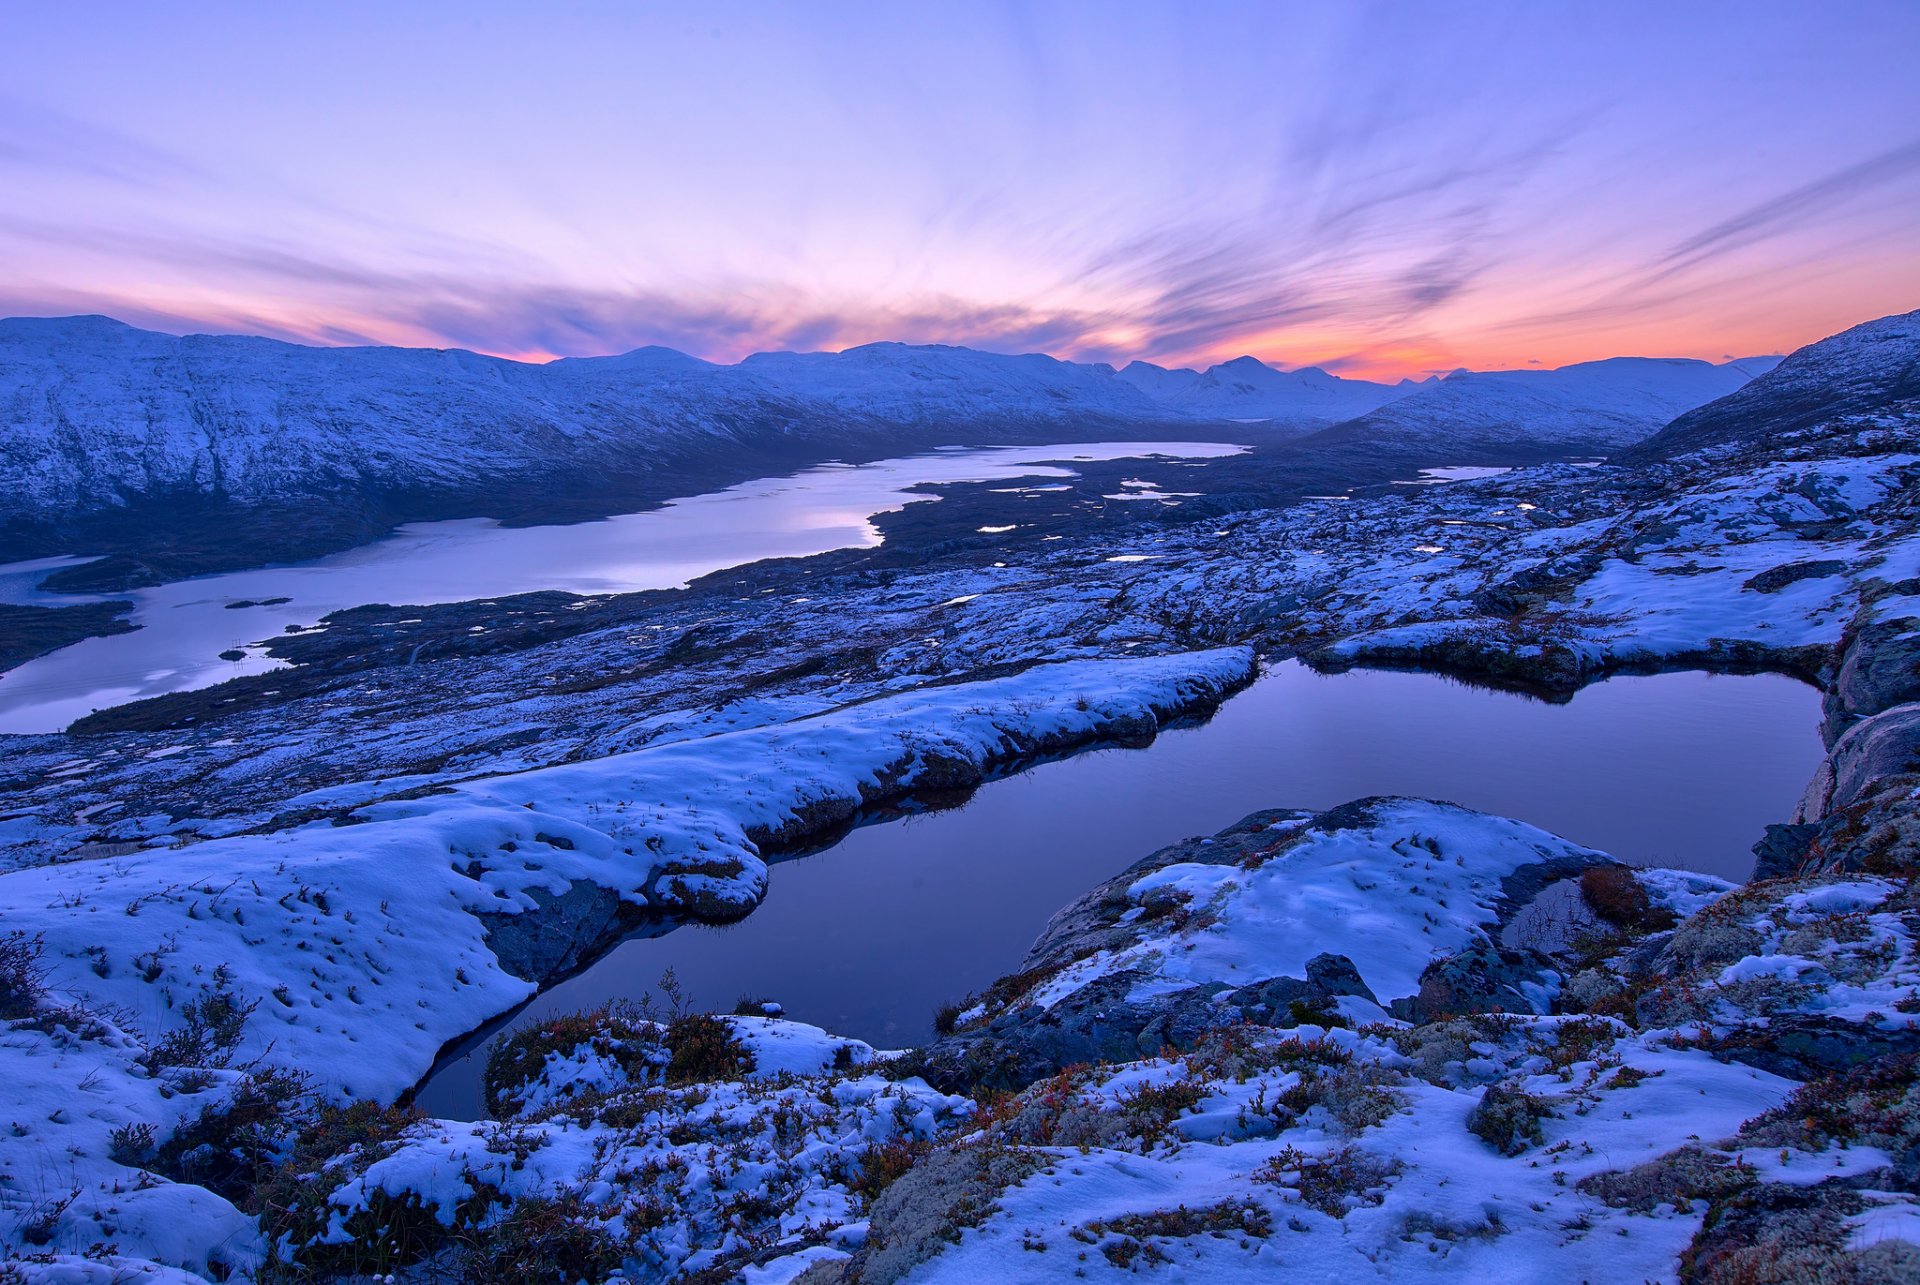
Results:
1503 186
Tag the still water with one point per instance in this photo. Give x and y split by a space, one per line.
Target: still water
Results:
185 626
866 937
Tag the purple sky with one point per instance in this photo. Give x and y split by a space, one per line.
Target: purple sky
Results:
1383 189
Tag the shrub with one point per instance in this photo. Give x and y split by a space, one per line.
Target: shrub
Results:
1163 1103
543 1239
611 1031
1333 1182
232 1145
211 1027
22 978
1357 1096
1616 896
704 1049
883 1164
946 1017
1228 1218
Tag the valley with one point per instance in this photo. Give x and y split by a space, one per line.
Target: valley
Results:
245 908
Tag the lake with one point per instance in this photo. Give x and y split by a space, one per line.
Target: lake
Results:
185 626
865 938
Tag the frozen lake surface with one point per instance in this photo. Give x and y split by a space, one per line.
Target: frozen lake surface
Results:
865 938
185 626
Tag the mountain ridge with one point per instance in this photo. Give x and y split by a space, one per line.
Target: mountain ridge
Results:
1868 368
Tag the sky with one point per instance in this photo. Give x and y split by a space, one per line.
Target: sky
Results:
1383 190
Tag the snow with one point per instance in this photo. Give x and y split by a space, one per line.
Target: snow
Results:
1392 896
1895 1218
1247 390
374 935
1599 403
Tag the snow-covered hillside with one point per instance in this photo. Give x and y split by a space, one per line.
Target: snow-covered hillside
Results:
93 411
1594 405
1247 388
1874 366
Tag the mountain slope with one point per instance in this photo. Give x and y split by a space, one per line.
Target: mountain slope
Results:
1593 406
1247 388
1874 366
95 411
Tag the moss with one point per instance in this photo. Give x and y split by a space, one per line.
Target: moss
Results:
927 1208
1677 1179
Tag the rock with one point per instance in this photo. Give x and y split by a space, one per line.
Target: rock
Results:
1483 979
1782 851
1774 579
1885 745
1879 669
561 934
925 1210
1508 1120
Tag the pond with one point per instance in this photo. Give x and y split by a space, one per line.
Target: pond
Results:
868 936
185 627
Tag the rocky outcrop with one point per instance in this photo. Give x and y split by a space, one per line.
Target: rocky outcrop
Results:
1861 811
1105 981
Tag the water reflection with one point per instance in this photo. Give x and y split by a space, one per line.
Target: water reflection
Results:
867 937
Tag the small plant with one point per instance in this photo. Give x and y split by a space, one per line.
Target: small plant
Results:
884 1164
1333 1182
22 977
703 1049
131 1144
1616 896
42 1218
946 1018
210 1031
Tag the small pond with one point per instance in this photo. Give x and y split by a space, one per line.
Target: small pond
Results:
866 937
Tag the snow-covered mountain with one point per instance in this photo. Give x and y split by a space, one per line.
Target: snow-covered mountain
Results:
1247 388
1595 405
93 411
1873 367
119 440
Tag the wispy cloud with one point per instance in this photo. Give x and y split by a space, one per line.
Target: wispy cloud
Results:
1793 210
1377 189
